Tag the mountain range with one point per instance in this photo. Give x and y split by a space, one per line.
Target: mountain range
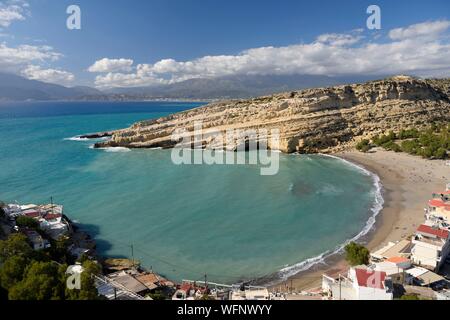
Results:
17 88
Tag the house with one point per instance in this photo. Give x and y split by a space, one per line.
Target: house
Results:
439 208
185 292
392 249
128 282
54 225
252 293
431 246
36 240
426 278
361 283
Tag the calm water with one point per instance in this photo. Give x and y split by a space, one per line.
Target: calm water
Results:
184 221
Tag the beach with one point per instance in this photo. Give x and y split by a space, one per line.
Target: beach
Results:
408 182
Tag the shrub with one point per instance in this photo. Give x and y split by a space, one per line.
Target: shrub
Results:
363 145
27 222
356 254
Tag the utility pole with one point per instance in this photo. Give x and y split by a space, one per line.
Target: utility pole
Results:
132 255
51 203
206 281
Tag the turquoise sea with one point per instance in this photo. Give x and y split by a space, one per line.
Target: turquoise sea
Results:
228 222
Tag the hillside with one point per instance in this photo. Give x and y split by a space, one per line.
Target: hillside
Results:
312 120
17 88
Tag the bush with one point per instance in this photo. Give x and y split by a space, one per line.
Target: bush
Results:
356 254
363 145
392 146
27 222
440 153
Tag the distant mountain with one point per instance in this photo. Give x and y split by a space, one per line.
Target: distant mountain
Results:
244 86
17 88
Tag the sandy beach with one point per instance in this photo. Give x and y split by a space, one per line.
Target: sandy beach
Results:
408 182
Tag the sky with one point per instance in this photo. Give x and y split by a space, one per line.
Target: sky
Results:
156 42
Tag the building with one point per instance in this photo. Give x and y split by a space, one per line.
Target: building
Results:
361 283
431 246
426 278
392 249
438 209
252 293
36 240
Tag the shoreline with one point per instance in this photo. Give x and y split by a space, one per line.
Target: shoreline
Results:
402 211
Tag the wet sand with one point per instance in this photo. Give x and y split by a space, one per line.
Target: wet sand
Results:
408 182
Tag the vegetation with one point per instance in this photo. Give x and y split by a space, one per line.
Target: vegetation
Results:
356 254
363 145
430 143
26 274
27 222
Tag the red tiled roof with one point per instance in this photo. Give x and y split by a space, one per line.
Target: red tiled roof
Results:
51 216
398 260
33 214
185 287
438 203
370 279
440 233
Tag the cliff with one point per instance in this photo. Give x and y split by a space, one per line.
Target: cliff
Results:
312 120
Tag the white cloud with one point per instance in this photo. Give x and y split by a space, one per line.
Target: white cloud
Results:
111 65
421 49
425 29
335 39
13 10
48 75
14 59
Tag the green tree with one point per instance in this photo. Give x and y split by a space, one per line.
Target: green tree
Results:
88 290
27 222
356 254
15 245
42 281
11 271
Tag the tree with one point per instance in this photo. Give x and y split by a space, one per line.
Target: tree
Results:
88 290
15 245
27 222
356 254
41 281
11 271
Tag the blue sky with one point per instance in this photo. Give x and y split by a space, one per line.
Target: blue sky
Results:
145 32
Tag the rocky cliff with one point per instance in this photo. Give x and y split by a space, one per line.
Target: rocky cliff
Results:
312 120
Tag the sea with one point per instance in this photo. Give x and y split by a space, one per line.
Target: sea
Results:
227 222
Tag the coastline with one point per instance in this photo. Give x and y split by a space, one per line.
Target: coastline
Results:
400 174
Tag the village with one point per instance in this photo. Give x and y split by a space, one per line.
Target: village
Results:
416 268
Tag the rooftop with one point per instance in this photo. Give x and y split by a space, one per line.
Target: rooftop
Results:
369 278
398 260
427 230
439 203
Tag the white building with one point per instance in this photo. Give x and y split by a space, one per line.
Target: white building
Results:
361 283
430 247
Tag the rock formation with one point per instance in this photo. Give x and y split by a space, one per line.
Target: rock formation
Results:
309 121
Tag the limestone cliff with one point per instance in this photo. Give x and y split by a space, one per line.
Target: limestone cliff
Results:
312 120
